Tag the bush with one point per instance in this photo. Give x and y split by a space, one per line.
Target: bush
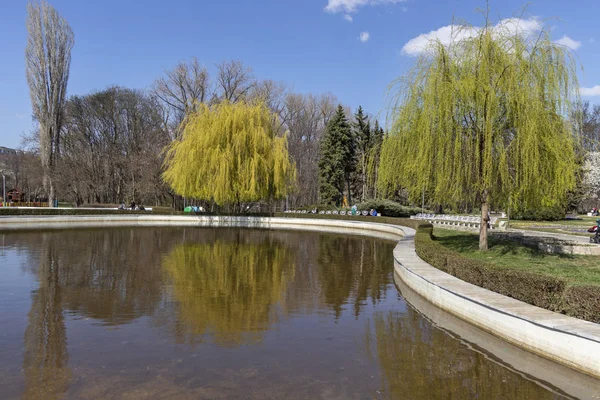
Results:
389 208
63 211
321 207
541 214
583 302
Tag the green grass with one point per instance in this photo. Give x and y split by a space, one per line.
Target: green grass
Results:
576 270
584 221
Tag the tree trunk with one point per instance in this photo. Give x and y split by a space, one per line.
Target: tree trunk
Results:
485 218
51 195
364 178
349 196
49 186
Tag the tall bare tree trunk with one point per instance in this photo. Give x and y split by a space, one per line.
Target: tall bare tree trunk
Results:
47 64
49 187
349 193
364 178
485 218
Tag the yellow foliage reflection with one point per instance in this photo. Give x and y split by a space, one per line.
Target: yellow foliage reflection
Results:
229 289
421 361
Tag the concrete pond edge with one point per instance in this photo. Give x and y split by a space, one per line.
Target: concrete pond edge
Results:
566 340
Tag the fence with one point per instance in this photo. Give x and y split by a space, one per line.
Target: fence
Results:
25 204
455 221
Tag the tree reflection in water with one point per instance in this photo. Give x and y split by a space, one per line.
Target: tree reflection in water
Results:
231 289
421 361
353 269
45 363
105 275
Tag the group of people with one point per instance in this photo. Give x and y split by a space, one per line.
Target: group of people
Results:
353 211
372 211
132 207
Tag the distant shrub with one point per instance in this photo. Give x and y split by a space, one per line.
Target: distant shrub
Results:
67 211
320 207
541 214
388 208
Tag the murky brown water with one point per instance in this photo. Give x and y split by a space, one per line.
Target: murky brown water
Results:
149 313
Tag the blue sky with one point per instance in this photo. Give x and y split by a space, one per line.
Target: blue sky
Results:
351 48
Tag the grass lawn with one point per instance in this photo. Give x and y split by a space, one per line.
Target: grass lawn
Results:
504 253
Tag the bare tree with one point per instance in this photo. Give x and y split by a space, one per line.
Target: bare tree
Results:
306 117
182 88
590 125
234 81
112 148
47 63
271 93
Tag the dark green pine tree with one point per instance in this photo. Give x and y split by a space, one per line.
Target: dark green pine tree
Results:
336 162
364 142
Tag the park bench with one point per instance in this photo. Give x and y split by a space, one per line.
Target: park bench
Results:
470 222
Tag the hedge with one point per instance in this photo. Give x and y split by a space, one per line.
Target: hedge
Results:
8 211
583 302
541 214
540 290
67 211
551 293
389 208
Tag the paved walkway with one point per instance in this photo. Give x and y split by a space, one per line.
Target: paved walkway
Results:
560 236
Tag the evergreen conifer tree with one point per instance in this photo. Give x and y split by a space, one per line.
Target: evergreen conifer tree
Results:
336 163
364 142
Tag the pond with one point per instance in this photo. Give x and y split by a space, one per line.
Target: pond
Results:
222 314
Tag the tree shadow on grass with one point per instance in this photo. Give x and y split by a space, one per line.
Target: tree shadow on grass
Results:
501 246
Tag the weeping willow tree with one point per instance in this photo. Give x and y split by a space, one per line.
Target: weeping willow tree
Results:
230 153
483 121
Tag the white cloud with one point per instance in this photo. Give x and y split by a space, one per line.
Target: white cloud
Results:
591 40
364 37
593 91
518 25
568 42
19 116
455 33
351 6
348 17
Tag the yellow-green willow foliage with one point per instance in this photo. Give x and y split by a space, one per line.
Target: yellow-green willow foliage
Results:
230 153
229 290
482 121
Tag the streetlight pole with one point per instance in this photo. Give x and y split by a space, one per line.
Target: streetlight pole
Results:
3 190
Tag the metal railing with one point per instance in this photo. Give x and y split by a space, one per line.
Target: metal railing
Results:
25 204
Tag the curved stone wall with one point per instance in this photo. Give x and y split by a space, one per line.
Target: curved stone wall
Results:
566 340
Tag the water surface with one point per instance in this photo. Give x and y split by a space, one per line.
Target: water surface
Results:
183 313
